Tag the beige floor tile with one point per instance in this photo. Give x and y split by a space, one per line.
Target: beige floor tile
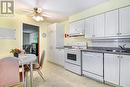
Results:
57 76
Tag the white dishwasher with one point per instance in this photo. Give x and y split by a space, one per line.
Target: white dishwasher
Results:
92 65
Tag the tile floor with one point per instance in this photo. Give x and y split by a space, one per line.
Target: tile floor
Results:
57 76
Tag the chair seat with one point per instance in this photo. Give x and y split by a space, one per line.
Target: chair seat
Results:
36 66
18 85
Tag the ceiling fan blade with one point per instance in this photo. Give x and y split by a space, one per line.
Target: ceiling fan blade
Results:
25 12
46 15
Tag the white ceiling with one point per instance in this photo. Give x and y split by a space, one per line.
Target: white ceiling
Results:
58 8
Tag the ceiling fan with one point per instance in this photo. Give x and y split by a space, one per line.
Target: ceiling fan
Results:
37 12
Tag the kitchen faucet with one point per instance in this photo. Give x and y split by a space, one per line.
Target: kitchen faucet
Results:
122 47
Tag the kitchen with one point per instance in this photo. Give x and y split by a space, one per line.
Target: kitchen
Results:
86 42
98 47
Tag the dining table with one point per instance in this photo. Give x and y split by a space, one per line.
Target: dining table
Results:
27 59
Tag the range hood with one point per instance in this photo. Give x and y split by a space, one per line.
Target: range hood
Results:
76 34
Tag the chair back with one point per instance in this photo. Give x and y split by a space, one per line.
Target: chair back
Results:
42 58
9 71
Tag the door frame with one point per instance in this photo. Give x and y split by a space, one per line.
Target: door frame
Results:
38 38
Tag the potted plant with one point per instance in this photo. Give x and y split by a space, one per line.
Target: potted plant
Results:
15 52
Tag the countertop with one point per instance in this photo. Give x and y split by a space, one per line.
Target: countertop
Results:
111 50
104 51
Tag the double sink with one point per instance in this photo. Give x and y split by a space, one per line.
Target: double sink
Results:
124 51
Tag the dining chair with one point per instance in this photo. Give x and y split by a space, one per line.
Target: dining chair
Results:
37 66
9 72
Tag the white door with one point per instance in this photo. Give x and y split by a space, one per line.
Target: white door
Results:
111 23
92 63
125 71
124 15
89 27
99 25
111 68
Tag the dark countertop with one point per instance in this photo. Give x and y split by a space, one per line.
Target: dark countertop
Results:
107 50
59 47
69 47
103 51
111 50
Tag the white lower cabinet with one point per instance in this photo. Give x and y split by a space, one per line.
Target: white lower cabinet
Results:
125 71
59 57
111 68
92 65
116 69
73 68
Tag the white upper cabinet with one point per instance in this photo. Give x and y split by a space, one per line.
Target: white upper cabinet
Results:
125 71
94 26
77 28
89 27
59 35
99 26
111 23
124 16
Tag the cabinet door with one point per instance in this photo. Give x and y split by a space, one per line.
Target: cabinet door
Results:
93 63
59 35
111 23
51 41
125 71
72 28
89 27
60 56
124 15
111 68
99 26
77 27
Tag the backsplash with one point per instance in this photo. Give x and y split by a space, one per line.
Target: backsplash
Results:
110 43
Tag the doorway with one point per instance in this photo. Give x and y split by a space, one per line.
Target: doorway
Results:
31 39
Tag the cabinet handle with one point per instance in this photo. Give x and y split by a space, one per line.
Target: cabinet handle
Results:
117 33
93 35
120 33
121 57
118 56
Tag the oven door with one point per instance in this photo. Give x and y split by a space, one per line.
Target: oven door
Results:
73 56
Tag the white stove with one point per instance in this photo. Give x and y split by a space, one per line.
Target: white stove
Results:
73 58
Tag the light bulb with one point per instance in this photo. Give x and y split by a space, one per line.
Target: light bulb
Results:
38 18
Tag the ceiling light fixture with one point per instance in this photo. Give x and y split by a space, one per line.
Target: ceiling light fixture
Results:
38 18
